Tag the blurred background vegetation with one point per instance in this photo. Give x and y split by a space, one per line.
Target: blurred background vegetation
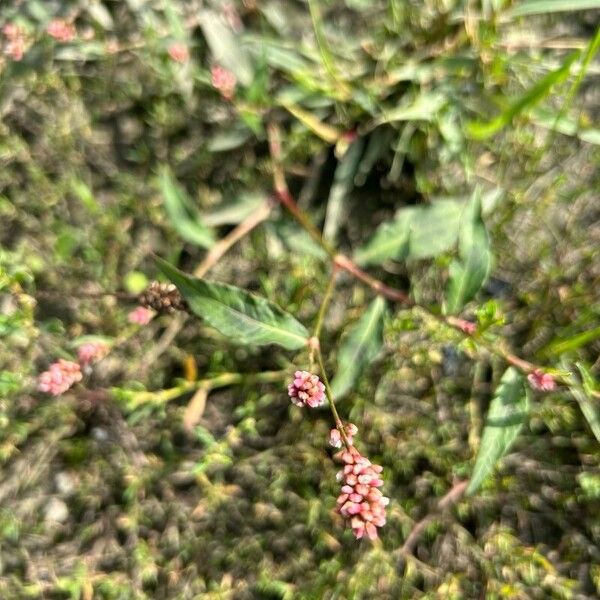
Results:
129 138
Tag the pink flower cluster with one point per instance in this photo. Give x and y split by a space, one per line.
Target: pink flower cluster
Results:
15 41
91 352
223 81
360 500
179 52
140 316
59 377
60 30
306 390
335 437
541 381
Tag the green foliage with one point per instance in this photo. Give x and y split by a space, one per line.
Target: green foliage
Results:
185 218
505 418
470 271
389 114
245 318
360 347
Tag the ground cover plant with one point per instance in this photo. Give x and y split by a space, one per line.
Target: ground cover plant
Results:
299 300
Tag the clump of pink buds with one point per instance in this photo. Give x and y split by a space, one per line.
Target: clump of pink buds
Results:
306 390
179 52
60 30
91 352
15 42
140 316
361 501
541 381
59 377
335 437
223 81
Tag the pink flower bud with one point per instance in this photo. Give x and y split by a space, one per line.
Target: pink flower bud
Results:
140 316
360 500
91 352
335 438
223 81
60 30
466 326
541 381
59 377
306 390
179 52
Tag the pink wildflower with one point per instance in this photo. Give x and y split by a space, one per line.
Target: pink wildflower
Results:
60 30
541 381
15 49
223 81
15 45
140 315
306 389
466 326
59 377
91 352
335 437
179 52
360 500
11 31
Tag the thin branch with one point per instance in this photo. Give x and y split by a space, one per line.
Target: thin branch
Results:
329 393
450 499
235 235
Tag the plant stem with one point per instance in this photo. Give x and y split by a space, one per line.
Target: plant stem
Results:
336 417
235 235
325 302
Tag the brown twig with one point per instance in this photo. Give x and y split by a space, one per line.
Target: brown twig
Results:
450 499
235 235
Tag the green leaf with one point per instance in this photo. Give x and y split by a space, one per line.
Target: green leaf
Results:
390 241
583 395
482 130
343 182
360 347
244 317
505 419
434 229
542 7
470 272
182 213
225 46
424 107
232 211
574 342
415 233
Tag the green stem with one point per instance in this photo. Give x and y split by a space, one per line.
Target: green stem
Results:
218 381
336 417
325 302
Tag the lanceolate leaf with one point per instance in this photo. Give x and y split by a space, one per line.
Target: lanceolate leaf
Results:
182 213
434 229
244 317
343 182
483 130
583 395
360 348
470 272
415 233
390 241
505 418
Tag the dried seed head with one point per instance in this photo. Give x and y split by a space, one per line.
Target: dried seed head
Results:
162 297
